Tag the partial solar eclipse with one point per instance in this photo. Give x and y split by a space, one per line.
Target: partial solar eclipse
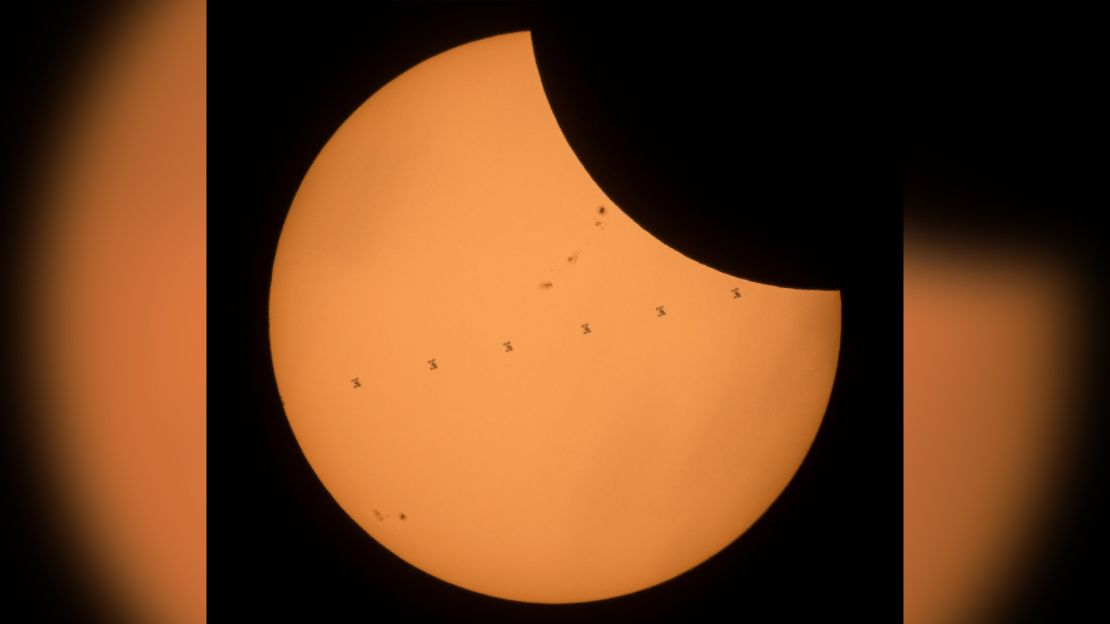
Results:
504 379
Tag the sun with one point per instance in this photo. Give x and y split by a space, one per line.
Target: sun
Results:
503 378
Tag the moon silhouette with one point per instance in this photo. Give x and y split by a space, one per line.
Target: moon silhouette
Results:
505 380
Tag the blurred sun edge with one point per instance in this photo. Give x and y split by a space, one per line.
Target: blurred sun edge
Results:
107 38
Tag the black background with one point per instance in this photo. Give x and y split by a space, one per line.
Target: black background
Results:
739 151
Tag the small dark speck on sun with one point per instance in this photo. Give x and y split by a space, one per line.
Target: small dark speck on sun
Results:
401 516
601 210
546 285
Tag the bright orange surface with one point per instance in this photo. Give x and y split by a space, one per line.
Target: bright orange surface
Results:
447 217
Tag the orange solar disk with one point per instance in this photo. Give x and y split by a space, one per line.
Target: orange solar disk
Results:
504 379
